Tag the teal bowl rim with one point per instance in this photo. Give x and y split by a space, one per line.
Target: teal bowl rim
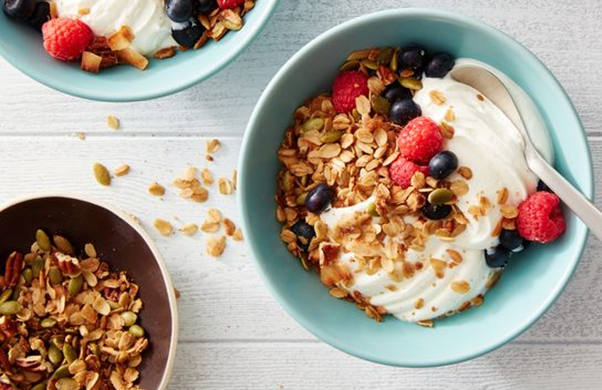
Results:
161 91
244 168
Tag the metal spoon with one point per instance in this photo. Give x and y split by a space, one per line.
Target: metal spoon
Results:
492 87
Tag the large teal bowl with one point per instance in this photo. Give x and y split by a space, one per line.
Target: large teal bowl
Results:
531 283
22 47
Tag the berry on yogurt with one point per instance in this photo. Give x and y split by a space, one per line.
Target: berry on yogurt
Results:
20 10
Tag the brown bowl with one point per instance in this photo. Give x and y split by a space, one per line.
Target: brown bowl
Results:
120 243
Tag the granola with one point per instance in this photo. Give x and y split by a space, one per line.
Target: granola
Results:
372 196
68 322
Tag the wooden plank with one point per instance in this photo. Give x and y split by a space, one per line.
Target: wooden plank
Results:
317 366
564 35
225 299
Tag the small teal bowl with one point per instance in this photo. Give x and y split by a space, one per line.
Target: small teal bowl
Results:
22 47
530 284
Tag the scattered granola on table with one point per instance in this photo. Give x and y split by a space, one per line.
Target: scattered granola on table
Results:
403 188
68 322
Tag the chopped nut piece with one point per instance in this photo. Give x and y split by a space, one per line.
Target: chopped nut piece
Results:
449 115
156 189
162 54
91 62
229 227
120 39
122 170
465 172
164 227
133 58
461 287
113 123
216 246
419 304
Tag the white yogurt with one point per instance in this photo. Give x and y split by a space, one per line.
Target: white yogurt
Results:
486 142
146 18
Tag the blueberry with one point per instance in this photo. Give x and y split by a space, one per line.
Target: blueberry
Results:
403 111
443 164
395 92
303 230
511 240
319 198
497 257
40 15
202 6
541 186
412 57
439 65
179 11
20 10
436 211
418 73
188 33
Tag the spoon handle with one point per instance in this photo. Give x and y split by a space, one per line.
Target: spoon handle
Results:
572 197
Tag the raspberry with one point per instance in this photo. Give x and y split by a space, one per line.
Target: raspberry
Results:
402 170
540 217
229 4
420 140
66 39
347 86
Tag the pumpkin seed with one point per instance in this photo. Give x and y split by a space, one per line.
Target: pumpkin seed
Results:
37 265
48 322
129 318
385 56
136 331
371 210
66 384
90 250
359 55
40 386
10 308
440 196
350 65
58 342
61 372
55 355
102 175
55 275
69 353
381 105
5 295
331 136
410 83
63 244
301 198
369 64
16 293
393 65
312 124
356 115
75 285
95 349
27 275
28 258
43 240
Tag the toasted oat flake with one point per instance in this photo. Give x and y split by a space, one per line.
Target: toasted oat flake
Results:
122 170
225 186
229 226
419 304
216 246
164 227
206 177
437 97
212 146
447 130
156 189
102 175
450 116
189 229
509 211
237 236
113 123
502 195
338 292
454 255
460 287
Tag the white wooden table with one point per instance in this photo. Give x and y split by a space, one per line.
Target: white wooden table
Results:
233 335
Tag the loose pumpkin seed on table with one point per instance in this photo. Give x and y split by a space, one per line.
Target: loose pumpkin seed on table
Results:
94 338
